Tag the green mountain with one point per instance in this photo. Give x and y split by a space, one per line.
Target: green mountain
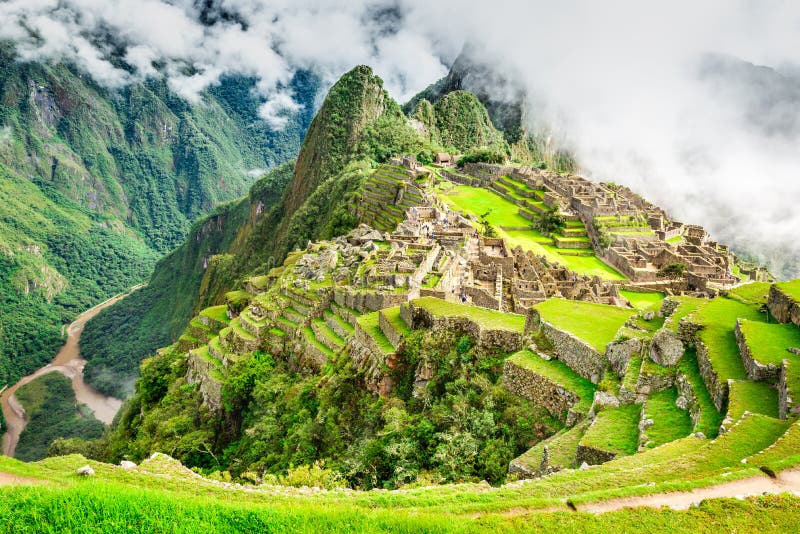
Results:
96 185
357 125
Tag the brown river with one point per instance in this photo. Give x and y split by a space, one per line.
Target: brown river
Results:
69 363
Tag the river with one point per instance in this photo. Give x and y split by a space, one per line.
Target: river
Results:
69 363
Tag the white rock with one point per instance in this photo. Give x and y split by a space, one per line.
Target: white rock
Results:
584 465
125 464
85 471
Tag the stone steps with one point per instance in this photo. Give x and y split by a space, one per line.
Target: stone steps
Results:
326 335
342 328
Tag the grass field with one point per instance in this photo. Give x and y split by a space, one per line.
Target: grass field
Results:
768 341
791 289
669 421
614 430
596 324
477 201
643 301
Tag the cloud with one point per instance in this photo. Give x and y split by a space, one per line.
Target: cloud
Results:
641 92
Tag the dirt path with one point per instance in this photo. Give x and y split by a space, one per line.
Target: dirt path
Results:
68 362
7 479
787 481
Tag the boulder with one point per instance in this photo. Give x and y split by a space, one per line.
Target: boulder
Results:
666 349
125 464
85 471
649 316
601 398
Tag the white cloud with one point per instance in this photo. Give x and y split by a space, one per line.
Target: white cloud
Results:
617 80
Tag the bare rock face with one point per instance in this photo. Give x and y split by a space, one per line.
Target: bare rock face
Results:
666 349
85 471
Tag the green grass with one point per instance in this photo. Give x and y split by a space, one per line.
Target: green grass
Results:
477 201
755 293
485 318
308 333
218 313
596 324
562 448
328 333
755 397
643 301
790 289
614 430
687 306
397 322
288 322
669 421
559 373
718 318
369 322
344 324
236 326
710 419
768 341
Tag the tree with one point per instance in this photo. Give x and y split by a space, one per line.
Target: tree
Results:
673 270
487 229
549 222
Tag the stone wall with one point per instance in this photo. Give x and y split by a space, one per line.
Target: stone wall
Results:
782 307
717 388
687 393
481 298
372 366
593 456
575 352
486 339
755 370
787 405
393 335
542 391
368 301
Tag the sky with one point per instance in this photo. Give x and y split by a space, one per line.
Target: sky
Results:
647 95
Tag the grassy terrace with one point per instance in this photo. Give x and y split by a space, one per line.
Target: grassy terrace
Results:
562 448
669 421
504 213
614 430
719 320
218 313
559 373
790 289
687 306
754 293
768 341
489 319
643 301
369 322
340 321
596 324
393 316
755 397
308 333
710 419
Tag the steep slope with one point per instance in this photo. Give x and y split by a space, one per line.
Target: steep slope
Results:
357 124
98 184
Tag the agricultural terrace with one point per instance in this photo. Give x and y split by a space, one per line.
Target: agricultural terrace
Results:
485 318
596 324
517 230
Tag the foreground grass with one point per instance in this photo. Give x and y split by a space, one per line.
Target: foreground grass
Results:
101 508
596 324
